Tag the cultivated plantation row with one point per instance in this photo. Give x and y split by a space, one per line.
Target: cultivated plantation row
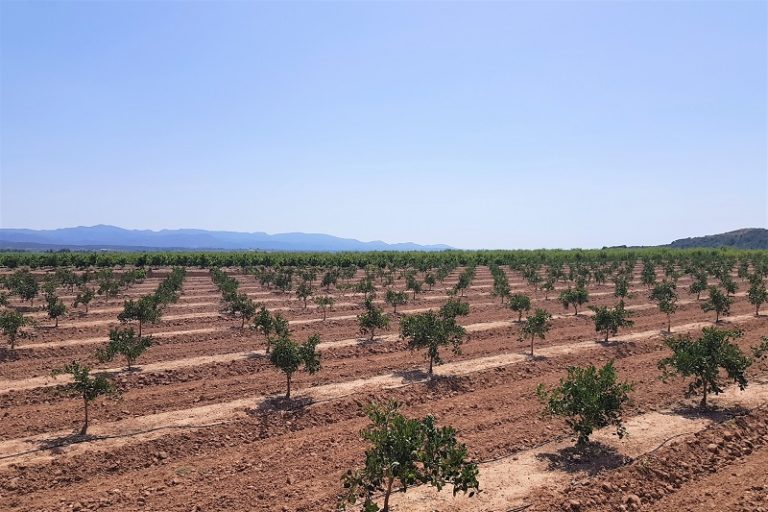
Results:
562 380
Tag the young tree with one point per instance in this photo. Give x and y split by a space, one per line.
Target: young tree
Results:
519 303
621 283
403 453
23 284
718 302
288 356
84 296
240 305
548 286
430 280
536 326
465 279
304 292
664 295
608 321
757 293
413 284
126 343
394 299
145 310
589 398
431 330
87 386
574 297
501 286
703 358
648 274
371 319
271 326
11 323
698 285
728 284
325 302
55 308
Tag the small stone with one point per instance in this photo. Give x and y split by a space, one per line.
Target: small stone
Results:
712 447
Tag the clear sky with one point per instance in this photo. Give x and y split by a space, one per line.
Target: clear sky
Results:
494 125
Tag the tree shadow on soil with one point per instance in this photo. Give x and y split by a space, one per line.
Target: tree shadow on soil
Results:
712 412
622 348
57 444
590 459
450 382
6 354
368 342
281 403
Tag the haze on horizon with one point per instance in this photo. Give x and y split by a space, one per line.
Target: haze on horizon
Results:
477 125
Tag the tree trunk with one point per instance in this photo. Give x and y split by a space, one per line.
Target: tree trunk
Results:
757 310
324 314
532 336
669 322
606 336
139 328
429 372
288 381
704 397
387 493
57 322
84 430
519 316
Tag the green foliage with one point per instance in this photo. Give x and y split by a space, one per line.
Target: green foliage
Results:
371 319
404 453
519 303
126 343
395 298
304 292
588 398
431 330
574 297
664 295
87 386
325 302
240 305
23 284
84 296
144 310
608 321
621 290
718 302
11 323
699 285
55 308
271 326
702 359
288 356
501 286
757 293
535 326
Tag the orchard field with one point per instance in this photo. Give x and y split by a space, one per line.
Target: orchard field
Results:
201 420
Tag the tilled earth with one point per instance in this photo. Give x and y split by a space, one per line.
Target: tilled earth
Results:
199 425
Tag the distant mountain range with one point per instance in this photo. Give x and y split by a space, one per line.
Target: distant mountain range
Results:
114 238
748 238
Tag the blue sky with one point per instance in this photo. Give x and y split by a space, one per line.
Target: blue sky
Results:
496 125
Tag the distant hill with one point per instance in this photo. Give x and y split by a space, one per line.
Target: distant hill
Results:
749 238
115 238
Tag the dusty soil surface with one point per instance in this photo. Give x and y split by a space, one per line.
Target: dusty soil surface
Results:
200 426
